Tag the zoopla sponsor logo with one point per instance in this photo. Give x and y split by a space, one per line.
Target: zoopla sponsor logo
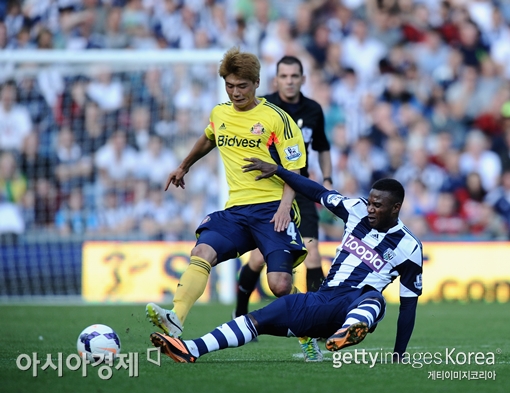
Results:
368 255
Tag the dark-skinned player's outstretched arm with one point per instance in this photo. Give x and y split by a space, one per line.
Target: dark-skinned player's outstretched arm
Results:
330 199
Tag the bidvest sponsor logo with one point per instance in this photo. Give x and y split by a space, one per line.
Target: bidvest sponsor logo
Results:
368 255
225 140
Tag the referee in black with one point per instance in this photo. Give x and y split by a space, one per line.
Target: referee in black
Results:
309 117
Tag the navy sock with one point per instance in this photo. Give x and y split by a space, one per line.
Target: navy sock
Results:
247 281
314 278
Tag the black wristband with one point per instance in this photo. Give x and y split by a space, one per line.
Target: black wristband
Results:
327 179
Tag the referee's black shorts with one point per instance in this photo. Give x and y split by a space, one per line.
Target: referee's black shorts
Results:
309 226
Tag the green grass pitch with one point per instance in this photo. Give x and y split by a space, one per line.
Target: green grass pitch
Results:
273 364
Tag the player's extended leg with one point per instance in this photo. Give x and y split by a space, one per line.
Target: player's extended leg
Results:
248 278
212 246
194 280
232 334
273 319
314 273
364 314
190 287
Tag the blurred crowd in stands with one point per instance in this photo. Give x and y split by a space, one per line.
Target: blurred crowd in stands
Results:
418 90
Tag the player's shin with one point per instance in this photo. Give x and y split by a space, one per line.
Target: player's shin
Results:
357 324
367 311
232 334
314 278
191 286
247 281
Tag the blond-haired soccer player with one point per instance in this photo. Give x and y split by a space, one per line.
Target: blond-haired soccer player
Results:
308 115
257 214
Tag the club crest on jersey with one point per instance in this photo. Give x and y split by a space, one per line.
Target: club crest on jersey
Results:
292 153
388 254
206 219
368 255
257 129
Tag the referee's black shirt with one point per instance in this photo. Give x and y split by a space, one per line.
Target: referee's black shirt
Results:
309 117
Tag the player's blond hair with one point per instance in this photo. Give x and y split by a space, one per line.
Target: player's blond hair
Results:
242 64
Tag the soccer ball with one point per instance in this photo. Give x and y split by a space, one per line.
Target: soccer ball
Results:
98 342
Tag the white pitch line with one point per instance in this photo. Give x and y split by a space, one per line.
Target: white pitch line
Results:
301 355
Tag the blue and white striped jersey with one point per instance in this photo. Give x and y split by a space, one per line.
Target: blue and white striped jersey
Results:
369 257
